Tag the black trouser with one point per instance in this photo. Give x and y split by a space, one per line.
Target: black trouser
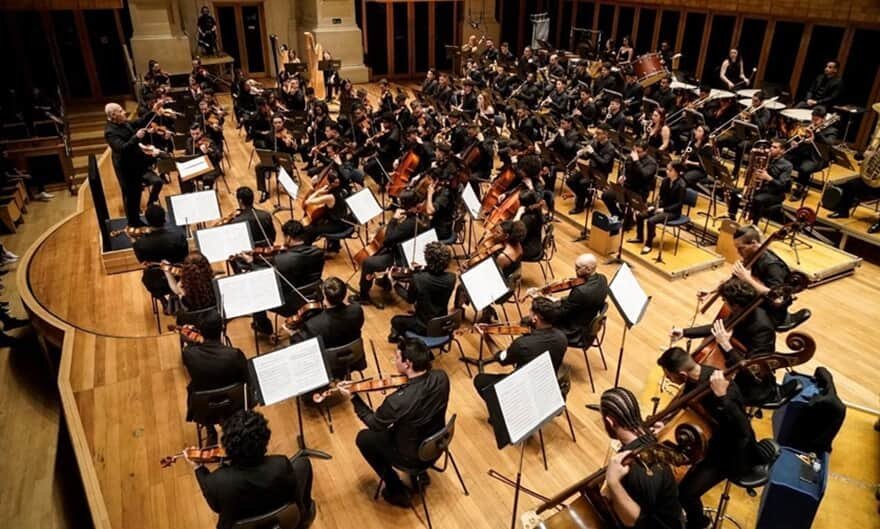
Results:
699 480
612 201
380 451
263 173
402 323
852 193
378 170
132 188
371 265
323 227
805 168
581 186
652 220
695 176
208 42
760 203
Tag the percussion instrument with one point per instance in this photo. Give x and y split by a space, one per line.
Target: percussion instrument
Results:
798 114
747 92
649 69
678 85
772 105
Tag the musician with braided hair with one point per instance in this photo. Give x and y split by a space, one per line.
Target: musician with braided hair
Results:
642 496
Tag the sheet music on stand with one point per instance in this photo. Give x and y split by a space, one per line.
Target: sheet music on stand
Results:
528 398
289 372
194 168
192 208
290 187
247 293
484 283
414 249
628 296
471 201
219 243
364 206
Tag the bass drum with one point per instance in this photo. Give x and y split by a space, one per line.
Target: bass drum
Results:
649 69
831 197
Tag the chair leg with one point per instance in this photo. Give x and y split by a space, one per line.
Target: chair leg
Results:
602 356
199 435
421 492
543 448
329 417
543 273
550 269
156 311
677 239
461 355
570 426
350 256
457 473
378 488
589 369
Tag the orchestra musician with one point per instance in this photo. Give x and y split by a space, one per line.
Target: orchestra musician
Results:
732 71
260 222
615 117
387 144
642 496
543 337
160 244
625 52
732 449
132 164
638 177
429 290
601 157
212 364
405 418
251 483
207 28
531 214
755 114
300 264
826 88
199 144
814 154
194 289
670 202
695 156
282 141
774 182
336 219
443 199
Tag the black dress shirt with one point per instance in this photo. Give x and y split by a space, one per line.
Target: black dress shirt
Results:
527 347
581 305
213 365
430 293
655 491
260 223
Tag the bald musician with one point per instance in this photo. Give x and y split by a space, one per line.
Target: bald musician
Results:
585 301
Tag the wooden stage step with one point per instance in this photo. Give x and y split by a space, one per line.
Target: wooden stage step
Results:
87 137
856 226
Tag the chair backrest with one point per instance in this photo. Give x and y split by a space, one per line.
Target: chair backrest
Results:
287 516
345 357
312 290
592 330
563 377
434 446
213 406
548 243
444 325
690 197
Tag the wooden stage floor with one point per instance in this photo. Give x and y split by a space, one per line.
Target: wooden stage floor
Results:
123 391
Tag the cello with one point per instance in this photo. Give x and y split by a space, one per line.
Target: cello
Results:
404 171
499 186
506 210
372 247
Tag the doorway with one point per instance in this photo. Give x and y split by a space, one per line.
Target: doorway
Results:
241 29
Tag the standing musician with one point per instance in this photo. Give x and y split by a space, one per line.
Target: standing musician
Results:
160 244
543 337
404 225
732 449
814 154
194 289
338 324
826 89
625 52
756 334
300 264
601 158
133 166
260 222
638 177
670 201
768 271
408 416
207 27
250 483
732 71
429 291
199 144
280 141
640 495
212 365
774 182
337 218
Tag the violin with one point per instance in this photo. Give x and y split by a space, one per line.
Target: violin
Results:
265 251
362 386
189 332
304 313
502 329
214 454
405 168
398 272
174 270
133 233
229 217
557 286
286 137
372 247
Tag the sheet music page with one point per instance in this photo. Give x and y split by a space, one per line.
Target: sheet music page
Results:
484 283
191 167
414 249
528 397
248 293
471 201
290 187
219 243
628 294
192 208
291 371
364 206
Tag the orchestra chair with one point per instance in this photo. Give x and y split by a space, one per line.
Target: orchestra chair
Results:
212 406
348 358
349 233
563 376
457 238
311 291
755 477
441 334
194 317
430 451
593 335
690 200
548 250
287 516
514 285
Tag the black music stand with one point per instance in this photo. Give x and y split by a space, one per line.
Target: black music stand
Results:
632 201
275 160
595 182
631 301
333 65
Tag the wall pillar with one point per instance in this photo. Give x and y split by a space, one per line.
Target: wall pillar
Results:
473 11
334 26
157 35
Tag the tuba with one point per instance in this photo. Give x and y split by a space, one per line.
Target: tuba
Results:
870 170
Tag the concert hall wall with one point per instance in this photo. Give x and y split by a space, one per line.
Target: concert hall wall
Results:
786 41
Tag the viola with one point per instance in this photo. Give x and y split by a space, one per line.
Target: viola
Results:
405 168
499 186
188 332
229 217
398 272
214 454
362 386
371 248
304 313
